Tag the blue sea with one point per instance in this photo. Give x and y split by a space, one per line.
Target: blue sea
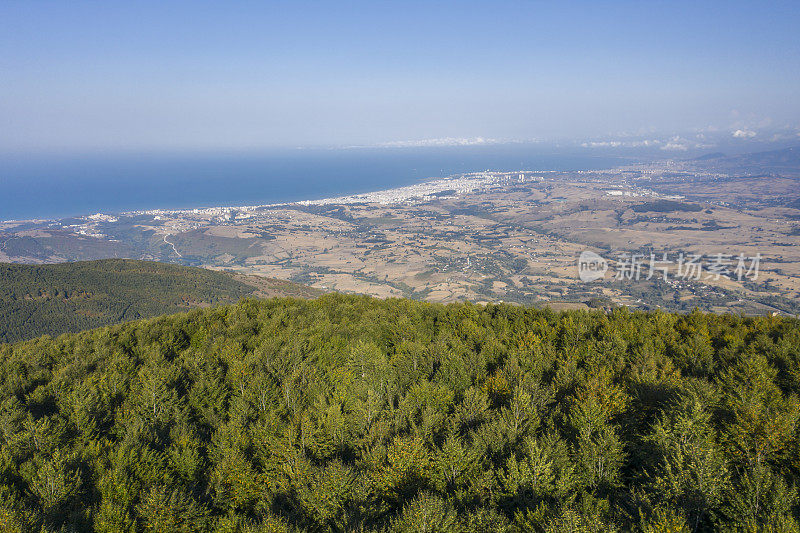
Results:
62 186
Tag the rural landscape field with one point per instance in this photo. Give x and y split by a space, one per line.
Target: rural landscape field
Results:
512 236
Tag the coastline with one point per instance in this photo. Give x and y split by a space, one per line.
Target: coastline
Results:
424 190
459 183
62 187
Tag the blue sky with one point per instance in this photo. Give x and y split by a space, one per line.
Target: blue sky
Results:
85 76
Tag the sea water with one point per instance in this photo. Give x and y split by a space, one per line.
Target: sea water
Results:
69 185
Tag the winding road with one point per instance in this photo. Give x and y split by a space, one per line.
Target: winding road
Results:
173 246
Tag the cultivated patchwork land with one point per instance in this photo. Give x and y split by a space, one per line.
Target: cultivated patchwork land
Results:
489 236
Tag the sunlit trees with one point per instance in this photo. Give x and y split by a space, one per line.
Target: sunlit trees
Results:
353 414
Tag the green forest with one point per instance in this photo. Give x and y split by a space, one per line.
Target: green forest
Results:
347 413
70 297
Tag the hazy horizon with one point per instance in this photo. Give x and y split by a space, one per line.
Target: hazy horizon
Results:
92 77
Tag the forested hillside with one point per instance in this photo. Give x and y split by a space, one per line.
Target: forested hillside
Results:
352 414
69 297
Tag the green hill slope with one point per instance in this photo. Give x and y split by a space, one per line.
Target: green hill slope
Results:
68 297
347 413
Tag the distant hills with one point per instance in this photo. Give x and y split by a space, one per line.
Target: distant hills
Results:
786 156
786 160
69 297
707 157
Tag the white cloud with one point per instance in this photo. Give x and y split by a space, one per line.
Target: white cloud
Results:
601 144
617 144
744 134
679 144
675 146
443 141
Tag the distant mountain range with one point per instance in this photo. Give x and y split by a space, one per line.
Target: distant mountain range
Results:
786 160
69 297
